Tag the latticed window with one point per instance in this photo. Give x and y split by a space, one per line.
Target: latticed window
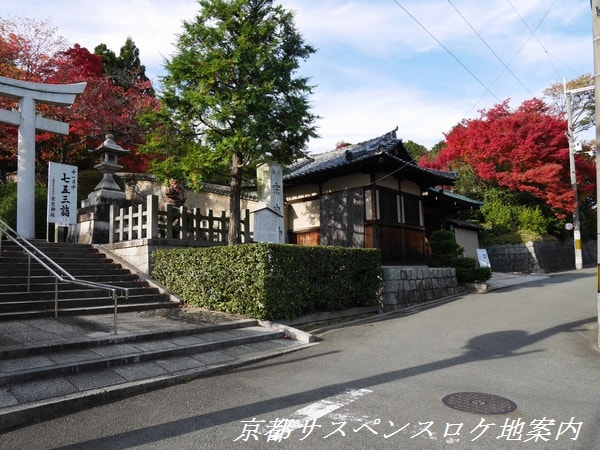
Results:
388 206
412 210
394 207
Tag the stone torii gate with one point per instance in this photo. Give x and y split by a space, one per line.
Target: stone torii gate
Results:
28 94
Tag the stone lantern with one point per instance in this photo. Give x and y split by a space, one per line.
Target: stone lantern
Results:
93 217
108 188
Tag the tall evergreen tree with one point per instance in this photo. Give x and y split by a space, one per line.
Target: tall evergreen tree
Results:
125 70
231 99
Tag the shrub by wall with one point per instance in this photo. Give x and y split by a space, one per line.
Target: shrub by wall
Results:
271 281
445 252
8 207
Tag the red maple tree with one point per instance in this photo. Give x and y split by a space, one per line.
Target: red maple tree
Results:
103 108
525 150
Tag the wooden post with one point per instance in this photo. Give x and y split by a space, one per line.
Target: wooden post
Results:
246 226
113 211
121 229
196 224
224 227
130 226
169 222
139 226
211 228
183 221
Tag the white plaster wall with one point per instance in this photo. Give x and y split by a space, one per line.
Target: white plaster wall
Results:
347 182
303 215
469 240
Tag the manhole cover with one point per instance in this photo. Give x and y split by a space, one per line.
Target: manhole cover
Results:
478 403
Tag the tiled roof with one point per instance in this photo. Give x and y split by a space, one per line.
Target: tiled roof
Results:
221 189
357 156
456 197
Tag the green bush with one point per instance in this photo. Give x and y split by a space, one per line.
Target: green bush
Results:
532 219
444 248
499 212
8 207
446 252
467 270
511 218
271 281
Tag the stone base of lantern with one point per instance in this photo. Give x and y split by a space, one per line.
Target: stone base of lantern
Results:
103 196
93 217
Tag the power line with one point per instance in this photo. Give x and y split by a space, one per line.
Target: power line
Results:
532 33
490 48
447 49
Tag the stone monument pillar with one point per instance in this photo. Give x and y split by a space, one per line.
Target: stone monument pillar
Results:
268 220
93 221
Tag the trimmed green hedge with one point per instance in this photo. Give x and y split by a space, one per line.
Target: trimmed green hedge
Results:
467 270
271 281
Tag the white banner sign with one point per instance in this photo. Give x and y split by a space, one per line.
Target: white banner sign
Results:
62 194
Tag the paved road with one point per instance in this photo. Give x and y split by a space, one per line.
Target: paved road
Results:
381 385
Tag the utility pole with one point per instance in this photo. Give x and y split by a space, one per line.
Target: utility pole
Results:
572 151
595 5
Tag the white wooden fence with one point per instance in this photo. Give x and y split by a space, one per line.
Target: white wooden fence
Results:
146 221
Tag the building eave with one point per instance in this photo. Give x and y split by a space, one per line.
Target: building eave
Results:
382 154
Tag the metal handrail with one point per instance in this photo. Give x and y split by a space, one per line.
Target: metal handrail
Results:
58 272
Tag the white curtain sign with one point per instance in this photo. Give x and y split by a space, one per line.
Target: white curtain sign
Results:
62 194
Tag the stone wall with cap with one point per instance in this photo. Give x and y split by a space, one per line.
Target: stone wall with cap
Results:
403 286
539 257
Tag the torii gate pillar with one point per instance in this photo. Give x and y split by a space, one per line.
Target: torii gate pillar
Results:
28 94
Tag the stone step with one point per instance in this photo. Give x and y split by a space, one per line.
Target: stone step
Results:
50 246
40 284
32 313
67 362
41 280
51 367
69 291
65 304
27 288
76 271
81 333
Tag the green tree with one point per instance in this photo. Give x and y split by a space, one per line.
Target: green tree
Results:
415 150
231 99
431 155
125 70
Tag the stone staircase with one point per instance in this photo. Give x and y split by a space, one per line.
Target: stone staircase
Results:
53 366
22 300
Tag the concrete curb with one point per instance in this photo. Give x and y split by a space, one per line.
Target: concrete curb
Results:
292 333
408 310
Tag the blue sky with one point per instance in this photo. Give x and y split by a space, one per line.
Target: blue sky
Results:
419 65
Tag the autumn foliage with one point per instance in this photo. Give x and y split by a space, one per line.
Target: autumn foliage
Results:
30 51
525 150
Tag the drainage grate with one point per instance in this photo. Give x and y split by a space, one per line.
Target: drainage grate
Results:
478 403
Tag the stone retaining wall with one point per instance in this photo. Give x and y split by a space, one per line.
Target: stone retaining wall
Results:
404 286
138 252
539 257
